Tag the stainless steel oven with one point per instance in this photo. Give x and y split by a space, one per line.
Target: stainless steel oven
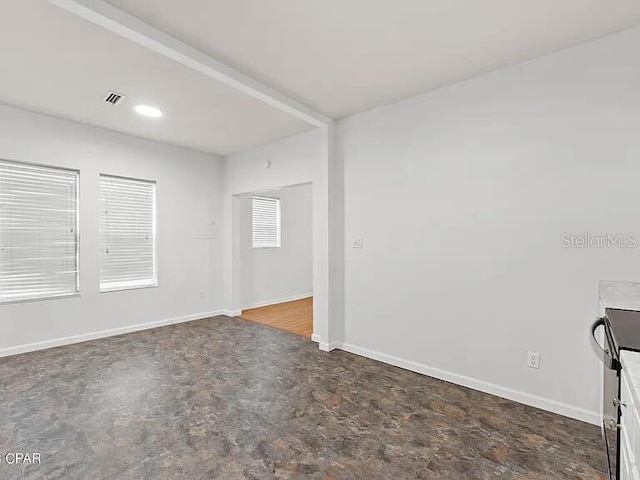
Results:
608 353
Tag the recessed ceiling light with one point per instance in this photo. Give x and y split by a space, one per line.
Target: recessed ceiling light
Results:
148 111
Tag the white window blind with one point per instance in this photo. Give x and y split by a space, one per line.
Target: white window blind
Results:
38 232
265 222
127 233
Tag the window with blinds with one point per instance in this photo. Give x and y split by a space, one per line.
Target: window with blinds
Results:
265 222
38 232
127 233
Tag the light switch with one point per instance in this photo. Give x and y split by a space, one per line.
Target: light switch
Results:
357 242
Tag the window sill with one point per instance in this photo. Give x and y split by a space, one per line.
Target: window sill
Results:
124 289
40 299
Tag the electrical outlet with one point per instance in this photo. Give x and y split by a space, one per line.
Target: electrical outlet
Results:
201 293
533 360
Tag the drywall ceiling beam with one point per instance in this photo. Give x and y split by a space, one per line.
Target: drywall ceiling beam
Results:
130 27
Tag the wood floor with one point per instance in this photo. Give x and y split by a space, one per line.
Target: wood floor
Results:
295 317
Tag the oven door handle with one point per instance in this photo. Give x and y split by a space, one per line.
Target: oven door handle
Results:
603 354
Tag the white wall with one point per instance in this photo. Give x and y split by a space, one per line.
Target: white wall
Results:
189 186
462 195
272 275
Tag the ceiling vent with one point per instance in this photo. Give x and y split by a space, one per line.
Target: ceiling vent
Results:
113 98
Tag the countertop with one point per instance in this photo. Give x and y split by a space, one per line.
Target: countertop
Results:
623 295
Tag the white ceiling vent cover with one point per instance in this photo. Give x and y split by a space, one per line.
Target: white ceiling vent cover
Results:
113 98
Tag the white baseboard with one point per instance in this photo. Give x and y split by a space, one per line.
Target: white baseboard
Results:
328 347
231 313
482 386
324 346
58 342
279 300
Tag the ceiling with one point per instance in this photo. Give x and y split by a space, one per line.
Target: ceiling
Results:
337 56
56 63
341 57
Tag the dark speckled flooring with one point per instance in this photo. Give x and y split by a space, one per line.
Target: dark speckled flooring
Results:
228 399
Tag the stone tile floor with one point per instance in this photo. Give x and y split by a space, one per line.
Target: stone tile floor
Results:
222 398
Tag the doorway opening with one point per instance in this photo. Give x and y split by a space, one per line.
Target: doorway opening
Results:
274 244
